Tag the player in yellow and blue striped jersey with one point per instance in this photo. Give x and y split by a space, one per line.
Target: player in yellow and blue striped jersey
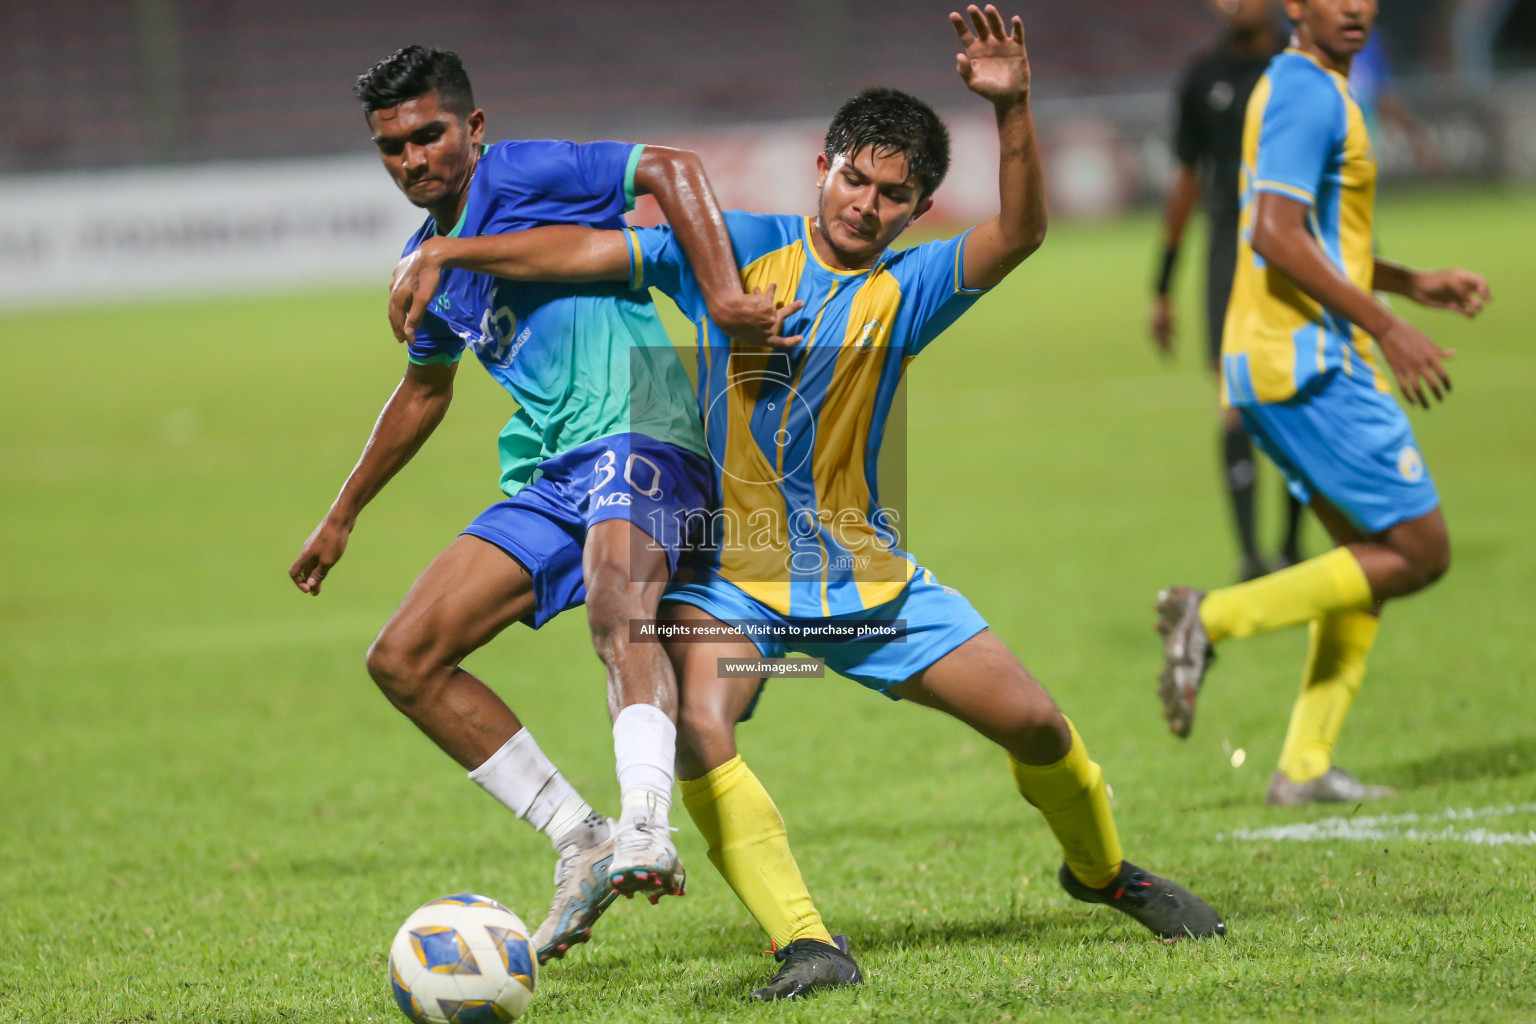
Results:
807 555
1298 364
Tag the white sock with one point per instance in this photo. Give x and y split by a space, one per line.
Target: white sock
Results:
575 822
529 785
644 748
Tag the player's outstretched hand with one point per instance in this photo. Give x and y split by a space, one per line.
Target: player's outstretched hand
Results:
995 64
1416 362
757 318
412 288
1459 290
322 550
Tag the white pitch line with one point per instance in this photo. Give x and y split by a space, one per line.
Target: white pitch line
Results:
1390 826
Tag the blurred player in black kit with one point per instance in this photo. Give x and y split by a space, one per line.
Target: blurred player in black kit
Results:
1208 143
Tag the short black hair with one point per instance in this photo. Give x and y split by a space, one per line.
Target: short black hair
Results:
890 121
413 72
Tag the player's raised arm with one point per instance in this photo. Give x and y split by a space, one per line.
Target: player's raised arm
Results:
995 66
1282 238
409 417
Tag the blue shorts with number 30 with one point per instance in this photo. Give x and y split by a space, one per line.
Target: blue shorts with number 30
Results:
659 487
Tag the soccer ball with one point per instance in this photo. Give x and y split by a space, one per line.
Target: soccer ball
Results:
462 959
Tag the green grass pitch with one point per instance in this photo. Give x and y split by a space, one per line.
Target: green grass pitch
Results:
208 814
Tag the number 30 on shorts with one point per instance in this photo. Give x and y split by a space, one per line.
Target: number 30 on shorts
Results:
606 467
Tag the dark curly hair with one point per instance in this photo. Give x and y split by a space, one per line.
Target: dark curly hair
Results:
890 121
412 72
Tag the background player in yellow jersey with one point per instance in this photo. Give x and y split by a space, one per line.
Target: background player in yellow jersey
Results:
1297 362
1208 144
795 439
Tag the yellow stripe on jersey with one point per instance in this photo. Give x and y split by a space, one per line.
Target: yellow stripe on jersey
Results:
749 484
1276 186
636 260
842 438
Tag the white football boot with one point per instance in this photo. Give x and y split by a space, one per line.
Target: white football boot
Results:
644 859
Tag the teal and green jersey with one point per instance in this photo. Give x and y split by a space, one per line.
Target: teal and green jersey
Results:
583 361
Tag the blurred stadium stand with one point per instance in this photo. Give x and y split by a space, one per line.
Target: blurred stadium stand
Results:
103 83
153 146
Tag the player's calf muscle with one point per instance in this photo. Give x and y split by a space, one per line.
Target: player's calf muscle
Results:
708 707
705 741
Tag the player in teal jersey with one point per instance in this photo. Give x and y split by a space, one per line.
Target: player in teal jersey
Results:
606 438
795 439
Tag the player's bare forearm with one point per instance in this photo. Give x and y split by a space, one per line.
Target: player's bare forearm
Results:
1180 204
565 252
676 178
997 246
995 66
1176 212
1460 291
1392 277
1281 237
410 416
408 419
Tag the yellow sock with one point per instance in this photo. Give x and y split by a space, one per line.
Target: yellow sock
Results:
1340 643
1071 795
749 846
1328 583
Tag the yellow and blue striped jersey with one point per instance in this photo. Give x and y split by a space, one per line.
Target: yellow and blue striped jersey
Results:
1304 138
795 437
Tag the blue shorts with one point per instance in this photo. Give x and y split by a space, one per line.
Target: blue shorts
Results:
661 488
1352 444
931 620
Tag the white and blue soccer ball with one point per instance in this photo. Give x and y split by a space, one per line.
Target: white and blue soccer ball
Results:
462 959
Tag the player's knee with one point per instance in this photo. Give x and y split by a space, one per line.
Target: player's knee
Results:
1040 735
397 670
1435 562
705 740
612 603
693 748
1428 559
